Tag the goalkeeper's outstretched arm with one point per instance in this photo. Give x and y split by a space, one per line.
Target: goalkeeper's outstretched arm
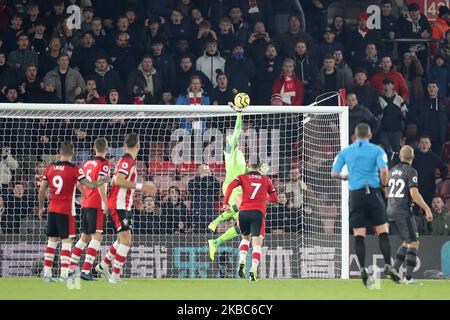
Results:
233 141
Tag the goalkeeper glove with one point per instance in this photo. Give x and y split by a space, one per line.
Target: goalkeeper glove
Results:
232 106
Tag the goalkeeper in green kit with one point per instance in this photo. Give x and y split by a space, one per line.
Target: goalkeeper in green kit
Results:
235 165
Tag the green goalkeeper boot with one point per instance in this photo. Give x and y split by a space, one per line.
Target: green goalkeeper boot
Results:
213 226
212 249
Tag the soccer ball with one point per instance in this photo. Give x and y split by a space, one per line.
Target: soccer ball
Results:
241 100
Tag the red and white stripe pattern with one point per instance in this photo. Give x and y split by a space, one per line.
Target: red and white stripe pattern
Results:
125 196
122 198
76 254
243 249
49 256
65 259
109 257
256 256
91 253
119 260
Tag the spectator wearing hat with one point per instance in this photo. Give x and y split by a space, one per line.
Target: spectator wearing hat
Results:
211 63
23 56
288 39
223 93
366 95
358 113
394 113
440 73
47 94
431 116
38 42
387 71
240 70
69 82
84 56
124 56
145 82
106 78
184 73
225 37
440 26
288 85
415 26
413 72
162 61
389 24
305 70
268 70
240 28
328 45
361 36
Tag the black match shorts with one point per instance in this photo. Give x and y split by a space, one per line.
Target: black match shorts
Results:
60 225
252 222
123 219
366 209
92 220
404 224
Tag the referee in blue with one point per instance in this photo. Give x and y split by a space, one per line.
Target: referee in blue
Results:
367 165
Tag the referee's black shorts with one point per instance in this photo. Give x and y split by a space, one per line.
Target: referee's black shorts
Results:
367 209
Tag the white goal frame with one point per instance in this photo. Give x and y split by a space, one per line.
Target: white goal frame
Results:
139 111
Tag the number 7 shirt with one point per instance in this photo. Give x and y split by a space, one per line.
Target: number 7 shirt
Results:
62 177
255 191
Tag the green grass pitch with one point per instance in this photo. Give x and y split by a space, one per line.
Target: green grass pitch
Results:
221 289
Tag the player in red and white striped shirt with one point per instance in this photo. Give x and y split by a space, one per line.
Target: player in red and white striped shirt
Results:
93 210
256 190
62 177
120 203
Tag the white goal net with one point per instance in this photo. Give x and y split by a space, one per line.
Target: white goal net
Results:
182 153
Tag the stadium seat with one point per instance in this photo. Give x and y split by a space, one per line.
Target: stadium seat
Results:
161 167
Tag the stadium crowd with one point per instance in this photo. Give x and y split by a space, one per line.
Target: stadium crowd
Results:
190 52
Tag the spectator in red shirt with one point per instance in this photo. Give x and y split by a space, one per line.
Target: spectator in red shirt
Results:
288 85
387 71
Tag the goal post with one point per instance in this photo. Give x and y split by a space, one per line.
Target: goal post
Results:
307 234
